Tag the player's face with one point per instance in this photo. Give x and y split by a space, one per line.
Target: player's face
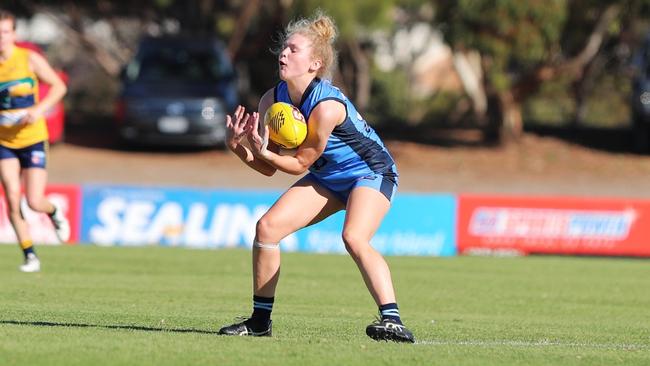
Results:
296 58
7 35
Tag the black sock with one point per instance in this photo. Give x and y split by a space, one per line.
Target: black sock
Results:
262 307
390 311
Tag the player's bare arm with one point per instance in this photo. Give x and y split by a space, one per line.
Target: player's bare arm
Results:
322 121
46 74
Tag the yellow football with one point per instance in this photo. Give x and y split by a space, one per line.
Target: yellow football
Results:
287 126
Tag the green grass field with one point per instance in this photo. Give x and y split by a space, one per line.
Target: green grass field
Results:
162 306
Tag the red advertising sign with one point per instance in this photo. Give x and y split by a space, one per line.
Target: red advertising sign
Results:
553 225
40 226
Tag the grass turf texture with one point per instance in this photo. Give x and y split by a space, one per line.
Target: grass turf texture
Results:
162 306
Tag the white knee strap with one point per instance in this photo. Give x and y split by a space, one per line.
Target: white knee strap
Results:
257 244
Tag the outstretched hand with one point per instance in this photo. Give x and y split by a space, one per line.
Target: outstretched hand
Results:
258 136
238 126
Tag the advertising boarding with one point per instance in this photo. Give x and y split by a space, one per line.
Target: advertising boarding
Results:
195 218
415 225
553 225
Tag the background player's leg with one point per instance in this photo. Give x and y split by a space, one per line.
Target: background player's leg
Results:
10 175
35 183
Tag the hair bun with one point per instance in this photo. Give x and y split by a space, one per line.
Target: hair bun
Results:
325 28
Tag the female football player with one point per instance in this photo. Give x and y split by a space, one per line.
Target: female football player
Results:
349 169
23 136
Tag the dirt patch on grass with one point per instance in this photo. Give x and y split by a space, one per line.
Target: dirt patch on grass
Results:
538 164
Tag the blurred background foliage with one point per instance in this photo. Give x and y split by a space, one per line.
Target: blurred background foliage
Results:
493 64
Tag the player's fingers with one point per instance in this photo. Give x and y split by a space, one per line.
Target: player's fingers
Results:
249 121
265 138
265 133
244 121
239 112
247 128
237 115
255 126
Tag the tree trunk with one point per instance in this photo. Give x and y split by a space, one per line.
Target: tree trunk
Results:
512 118
361 75
243 23
504 118
492 131
468 67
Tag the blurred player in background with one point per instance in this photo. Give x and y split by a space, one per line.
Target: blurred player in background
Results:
23 136
349 169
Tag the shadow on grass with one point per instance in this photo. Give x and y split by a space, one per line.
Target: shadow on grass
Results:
110 326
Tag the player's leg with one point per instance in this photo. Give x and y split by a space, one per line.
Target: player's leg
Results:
366 208
35 183
10 175
304 204
34 159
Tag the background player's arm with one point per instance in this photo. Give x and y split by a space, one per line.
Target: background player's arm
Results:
322 121
46 74
243 152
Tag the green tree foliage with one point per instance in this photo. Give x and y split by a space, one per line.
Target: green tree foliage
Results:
514 36
350 16
524 44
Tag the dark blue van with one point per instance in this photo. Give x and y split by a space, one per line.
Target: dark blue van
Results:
177 91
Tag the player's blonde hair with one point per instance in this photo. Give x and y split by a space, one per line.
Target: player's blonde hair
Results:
322 32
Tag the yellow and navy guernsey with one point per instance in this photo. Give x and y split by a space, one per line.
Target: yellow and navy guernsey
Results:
18 90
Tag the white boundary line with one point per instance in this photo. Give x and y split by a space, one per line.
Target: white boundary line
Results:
541 343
